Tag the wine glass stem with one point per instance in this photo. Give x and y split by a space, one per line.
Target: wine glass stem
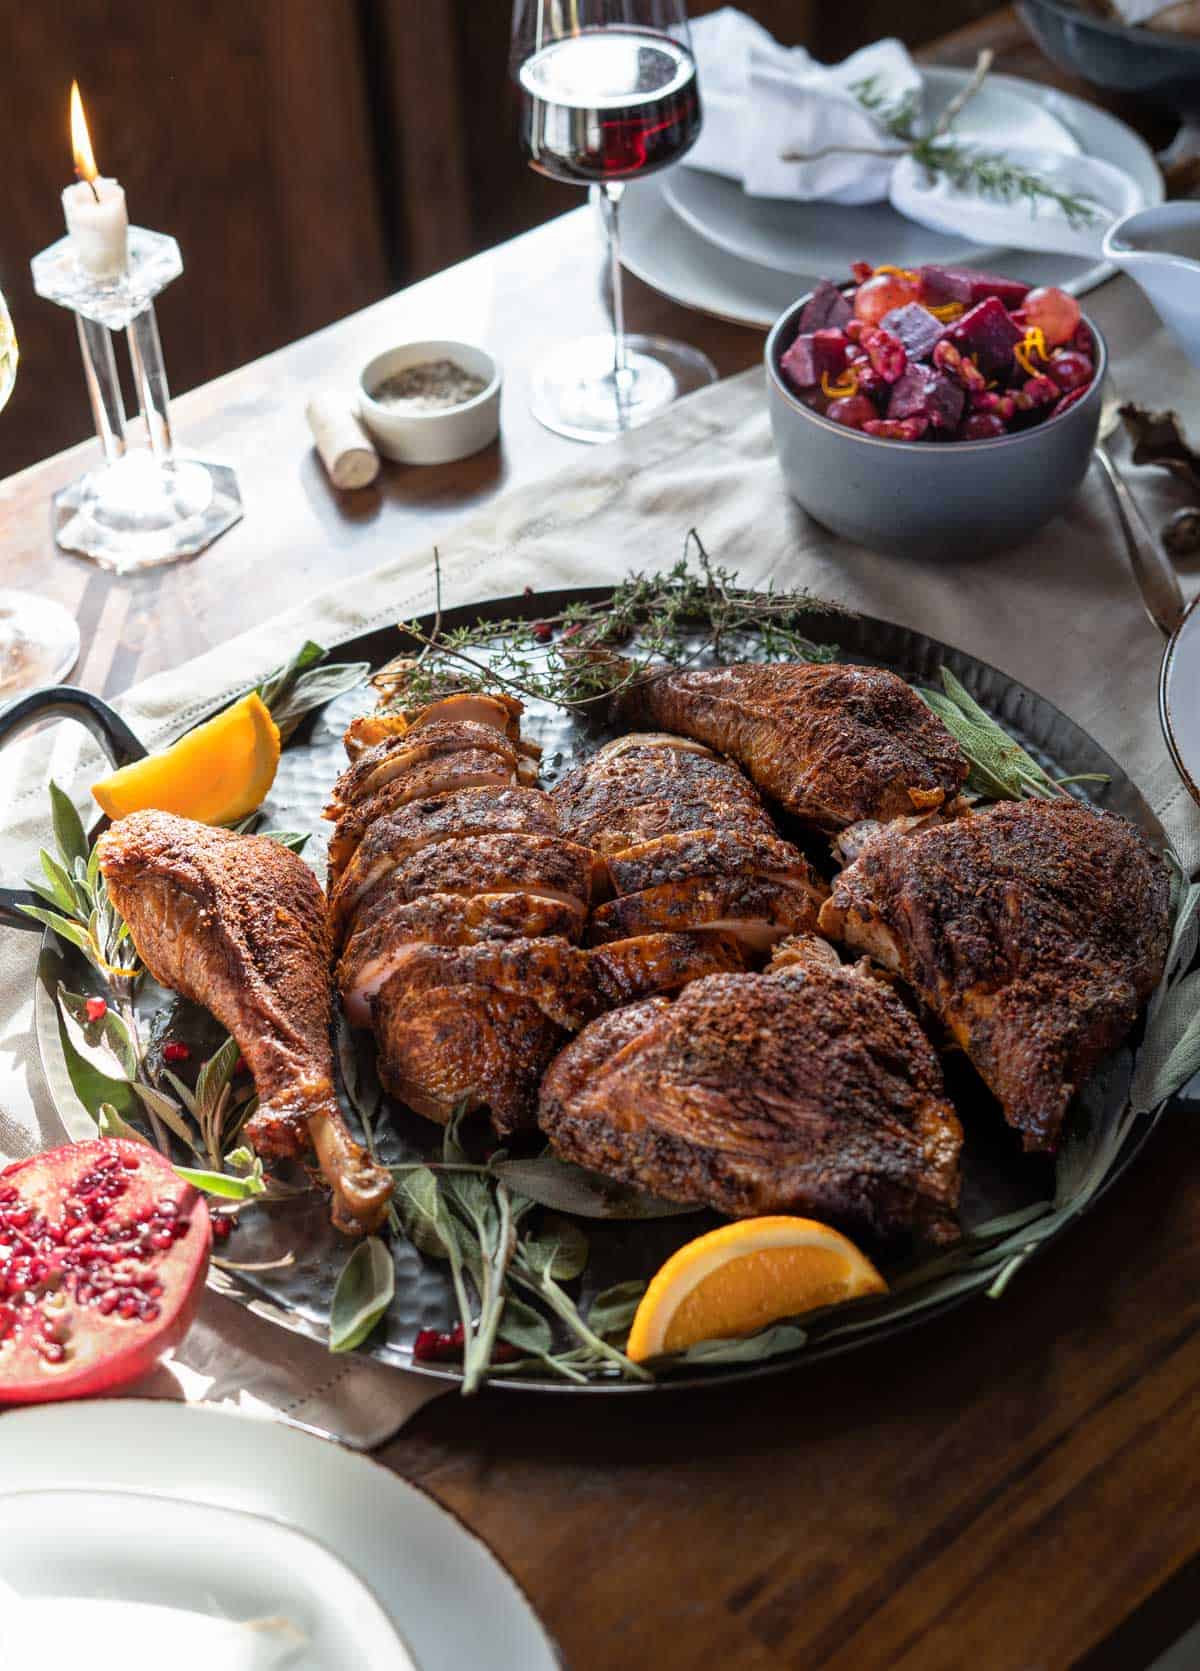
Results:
610 204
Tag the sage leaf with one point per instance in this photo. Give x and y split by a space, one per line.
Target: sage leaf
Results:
576 1189
112 1125
62 926
363 1294
294 840
522 1326
158 1103
61 889
564 1247
277 685
303 684
91 1085
222 1184
1170 1052
755 1348
417 1200
68 828
214 1077
106 1042
612 1311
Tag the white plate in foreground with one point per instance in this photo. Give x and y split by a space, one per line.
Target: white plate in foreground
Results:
441 1588
756 256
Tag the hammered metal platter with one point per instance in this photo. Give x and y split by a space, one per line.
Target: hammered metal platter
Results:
998 1178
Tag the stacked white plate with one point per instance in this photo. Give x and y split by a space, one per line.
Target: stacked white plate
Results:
137 1533
702 241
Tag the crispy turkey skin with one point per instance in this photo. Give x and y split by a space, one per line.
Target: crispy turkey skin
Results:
1035 930
832 744
809 1089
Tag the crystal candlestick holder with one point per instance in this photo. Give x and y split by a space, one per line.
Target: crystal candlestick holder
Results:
144 505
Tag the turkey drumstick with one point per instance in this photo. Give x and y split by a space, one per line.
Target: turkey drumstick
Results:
237 923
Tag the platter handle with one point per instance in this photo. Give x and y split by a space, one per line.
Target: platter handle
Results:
105 725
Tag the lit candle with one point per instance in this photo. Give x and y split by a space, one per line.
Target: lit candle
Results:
95 208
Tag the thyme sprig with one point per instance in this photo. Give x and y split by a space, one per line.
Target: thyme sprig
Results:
572 659
969 168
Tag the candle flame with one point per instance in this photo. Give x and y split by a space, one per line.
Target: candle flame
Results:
81 142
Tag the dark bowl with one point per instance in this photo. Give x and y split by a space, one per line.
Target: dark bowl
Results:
1144 63
929 499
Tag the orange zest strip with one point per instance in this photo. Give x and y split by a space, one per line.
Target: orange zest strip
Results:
946 311
841 390
1033 342
900 272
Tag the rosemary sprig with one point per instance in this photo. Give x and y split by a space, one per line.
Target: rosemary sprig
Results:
968 168
572 659
1000 768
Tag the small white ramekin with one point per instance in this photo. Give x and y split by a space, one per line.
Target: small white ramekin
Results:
431 437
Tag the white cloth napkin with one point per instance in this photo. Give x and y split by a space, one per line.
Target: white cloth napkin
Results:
762 100
1141 11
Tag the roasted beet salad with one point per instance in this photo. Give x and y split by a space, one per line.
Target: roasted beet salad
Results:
938 354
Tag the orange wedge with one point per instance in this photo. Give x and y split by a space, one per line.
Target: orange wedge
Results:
737 1279
216 774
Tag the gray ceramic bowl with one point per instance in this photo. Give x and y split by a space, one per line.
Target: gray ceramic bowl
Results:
922 499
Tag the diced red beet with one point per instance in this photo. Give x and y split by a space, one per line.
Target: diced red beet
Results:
968 286
853 411
825 309
982 426
813 355
916 327
989 334
925 393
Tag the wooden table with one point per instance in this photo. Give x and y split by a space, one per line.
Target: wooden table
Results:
1015 1486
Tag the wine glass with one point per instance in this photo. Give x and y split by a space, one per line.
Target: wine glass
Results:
608 95
39 641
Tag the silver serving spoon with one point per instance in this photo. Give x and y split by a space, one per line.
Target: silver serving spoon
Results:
1162 595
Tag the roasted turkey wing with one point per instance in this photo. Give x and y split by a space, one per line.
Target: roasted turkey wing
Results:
1034 929
810 1090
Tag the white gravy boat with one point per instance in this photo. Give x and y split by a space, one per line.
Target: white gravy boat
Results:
1160 250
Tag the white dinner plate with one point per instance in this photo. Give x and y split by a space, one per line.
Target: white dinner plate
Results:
183 1469
120 1579
776 233
818 239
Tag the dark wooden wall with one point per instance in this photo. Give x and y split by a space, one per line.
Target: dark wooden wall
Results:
309 155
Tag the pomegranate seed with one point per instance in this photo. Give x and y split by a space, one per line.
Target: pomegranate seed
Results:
173 1051
438 1345
129 1163
96 1009
542 631
222 1227
108 1302
162 1239
51 1351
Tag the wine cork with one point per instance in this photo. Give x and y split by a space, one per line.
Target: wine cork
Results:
346 450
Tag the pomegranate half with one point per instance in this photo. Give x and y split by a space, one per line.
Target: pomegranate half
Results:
103 1254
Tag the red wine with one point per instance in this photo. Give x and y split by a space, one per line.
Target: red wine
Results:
608 104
